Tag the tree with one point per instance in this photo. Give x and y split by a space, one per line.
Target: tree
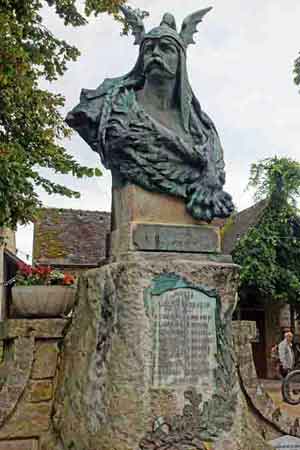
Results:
31 126
297 71
269 254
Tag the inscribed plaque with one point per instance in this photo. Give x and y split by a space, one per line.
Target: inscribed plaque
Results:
171 238
184 337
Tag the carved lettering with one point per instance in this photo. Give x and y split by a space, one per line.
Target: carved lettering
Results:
184 337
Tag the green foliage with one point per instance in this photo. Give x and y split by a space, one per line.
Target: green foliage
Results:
100 6
277 179
297 71
269 254
31 125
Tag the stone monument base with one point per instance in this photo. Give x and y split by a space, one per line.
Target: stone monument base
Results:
132 203
148 221
148 362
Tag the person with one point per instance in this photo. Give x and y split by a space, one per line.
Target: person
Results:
286 354
148 126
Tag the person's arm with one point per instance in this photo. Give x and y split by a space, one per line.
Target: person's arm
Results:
282 354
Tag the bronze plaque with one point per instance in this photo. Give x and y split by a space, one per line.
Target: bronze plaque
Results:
184 335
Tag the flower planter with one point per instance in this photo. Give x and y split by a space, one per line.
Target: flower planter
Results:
42 301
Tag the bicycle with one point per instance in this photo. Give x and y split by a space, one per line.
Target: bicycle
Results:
290 387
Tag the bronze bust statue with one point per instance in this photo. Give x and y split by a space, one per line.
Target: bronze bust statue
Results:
148 127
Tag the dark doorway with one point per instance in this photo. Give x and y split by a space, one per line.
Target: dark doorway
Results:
259 346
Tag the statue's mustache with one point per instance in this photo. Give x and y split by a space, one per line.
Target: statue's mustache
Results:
159 62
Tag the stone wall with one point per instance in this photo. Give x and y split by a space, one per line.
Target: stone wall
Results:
9 239
28 375
269 418
70 238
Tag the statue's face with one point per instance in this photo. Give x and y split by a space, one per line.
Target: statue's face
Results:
160 58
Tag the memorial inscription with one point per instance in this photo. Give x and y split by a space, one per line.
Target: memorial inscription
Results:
184 337
171 238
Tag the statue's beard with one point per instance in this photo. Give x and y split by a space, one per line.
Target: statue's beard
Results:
157 62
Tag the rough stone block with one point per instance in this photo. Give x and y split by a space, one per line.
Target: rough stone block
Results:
43 328
40 391
45 361
29 419
27 444
16 374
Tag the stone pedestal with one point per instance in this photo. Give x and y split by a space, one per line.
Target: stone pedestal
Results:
148 358
152 222
134 204
148 362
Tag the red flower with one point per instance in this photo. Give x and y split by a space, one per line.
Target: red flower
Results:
25 269
42 271
68 279
42 275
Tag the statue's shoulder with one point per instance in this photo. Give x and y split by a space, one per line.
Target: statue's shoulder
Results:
204 117
208 121
104 88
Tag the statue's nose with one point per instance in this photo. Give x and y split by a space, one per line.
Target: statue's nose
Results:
155 50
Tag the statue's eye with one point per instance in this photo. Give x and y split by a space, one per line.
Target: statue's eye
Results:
168 48
148 48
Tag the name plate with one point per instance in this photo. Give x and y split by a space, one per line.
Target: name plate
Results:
173 238
184 337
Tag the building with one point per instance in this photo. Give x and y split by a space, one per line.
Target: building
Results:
272 318
8 267
70 240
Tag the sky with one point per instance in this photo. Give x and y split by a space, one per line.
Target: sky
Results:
240 70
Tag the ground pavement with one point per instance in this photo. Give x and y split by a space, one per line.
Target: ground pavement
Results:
273 387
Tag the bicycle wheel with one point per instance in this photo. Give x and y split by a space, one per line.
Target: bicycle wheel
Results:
290 388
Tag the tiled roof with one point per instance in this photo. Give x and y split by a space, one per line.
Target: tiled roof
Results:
69 237
239 224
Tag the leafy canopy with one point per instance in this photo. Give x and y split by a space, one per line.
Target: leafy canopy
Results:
297 71
269 253
31 125
276 177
